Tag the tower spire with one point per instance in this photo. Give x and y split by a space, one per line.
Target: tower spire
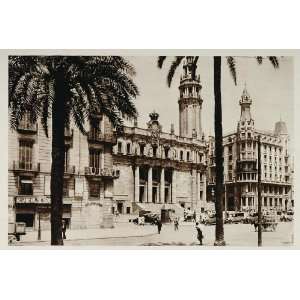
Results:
190 101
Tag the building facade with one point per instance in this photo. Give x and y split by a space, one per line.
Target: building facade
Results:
142 169
240 152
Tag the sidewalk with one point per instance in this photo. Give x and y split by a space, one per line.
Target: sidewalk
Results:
121 230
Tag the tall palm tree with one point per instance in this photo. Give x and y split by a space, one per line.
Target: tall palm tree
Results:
65 87
218 128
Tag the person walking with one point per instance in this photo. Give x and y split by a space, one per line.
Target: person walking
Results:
176 224
159 225
199 233
64 229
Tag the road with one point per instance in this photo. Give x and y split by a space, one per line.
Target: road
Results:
236 235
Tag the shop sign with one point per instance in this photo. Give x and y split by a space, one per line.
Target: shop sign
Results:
33 200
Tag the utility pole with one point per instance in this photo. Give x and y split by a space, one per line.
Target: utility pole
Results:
259 236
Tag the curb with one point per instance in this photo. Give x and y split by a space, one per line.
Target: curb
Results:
85 239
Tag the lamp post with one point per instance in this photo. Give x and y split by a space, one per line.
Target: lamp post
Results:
259 233
39 226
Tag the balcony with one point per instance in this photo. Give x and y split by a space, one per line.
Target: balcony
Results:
99 137
69 170
105 172
27 128
247 159
25 167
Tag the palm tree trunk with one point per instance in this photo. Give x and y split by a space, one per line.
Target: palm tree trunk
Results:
218 153
57 168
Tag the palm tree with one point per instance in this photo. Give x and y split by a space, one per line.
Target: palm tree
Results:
218 128
65 87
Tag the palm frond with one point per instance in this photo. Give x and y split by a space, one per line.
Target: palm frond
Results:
259 59
160 61
174 66
274 61
232 67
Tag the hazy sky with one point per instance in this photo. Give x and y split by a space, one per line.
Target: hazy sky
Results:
271 92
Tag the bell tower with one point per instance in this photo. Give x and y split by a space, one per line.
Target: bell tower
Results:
190 101
245 118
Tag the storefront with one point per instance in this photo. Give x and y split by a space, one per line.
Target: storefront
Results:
32 209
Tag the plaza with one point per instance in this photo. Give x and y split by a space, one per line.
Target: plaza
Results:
128 234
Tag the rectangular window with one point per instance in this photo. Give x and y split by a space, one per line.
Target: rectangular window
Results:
94 187
25 186
25 155
95 158
119 147
66 188
66 158
128 148
127 210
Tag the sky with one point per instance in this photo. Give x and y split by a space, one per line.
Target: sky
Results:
271 90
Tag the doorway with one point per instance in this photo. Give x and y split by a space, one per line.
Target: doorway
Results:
120 207
28 219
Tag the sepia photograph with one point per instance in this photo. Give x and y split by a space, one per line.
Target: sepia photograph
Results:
151 151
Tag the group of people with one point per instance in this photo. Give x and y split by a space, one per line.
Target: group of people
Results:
200 235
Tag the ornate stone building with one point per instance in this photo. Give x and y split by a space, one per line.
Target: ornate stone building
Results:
143 168
162 170
240 164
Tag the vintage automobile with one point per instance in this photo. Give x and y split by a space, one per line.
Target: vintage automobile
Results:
235 217
251 218
209 219
288 216
268 223
15 230
151 218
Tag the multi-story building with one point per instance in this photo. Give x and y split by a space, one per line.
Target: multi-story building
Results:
240 153
142 169
88 178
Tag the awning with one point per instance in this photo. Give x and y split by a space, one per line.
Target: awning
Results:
26 181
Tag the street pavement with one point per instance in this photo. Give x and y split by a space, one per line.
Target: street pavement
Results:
128 234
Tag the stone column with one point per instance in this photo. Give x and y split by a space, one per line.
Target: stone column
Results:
137 184
173 192
162 186
149 185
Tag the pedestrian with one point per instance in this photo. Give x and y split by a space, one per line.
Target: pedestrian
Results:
159 225
64 229
176 223
194 216
199 233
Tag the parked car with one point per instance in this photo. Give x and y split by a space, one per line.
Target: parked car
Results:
15 230
235 217
209 219
251 218
151 218
288 216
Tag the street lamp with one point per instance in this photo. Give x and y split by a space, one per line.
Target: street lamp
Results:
39 226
